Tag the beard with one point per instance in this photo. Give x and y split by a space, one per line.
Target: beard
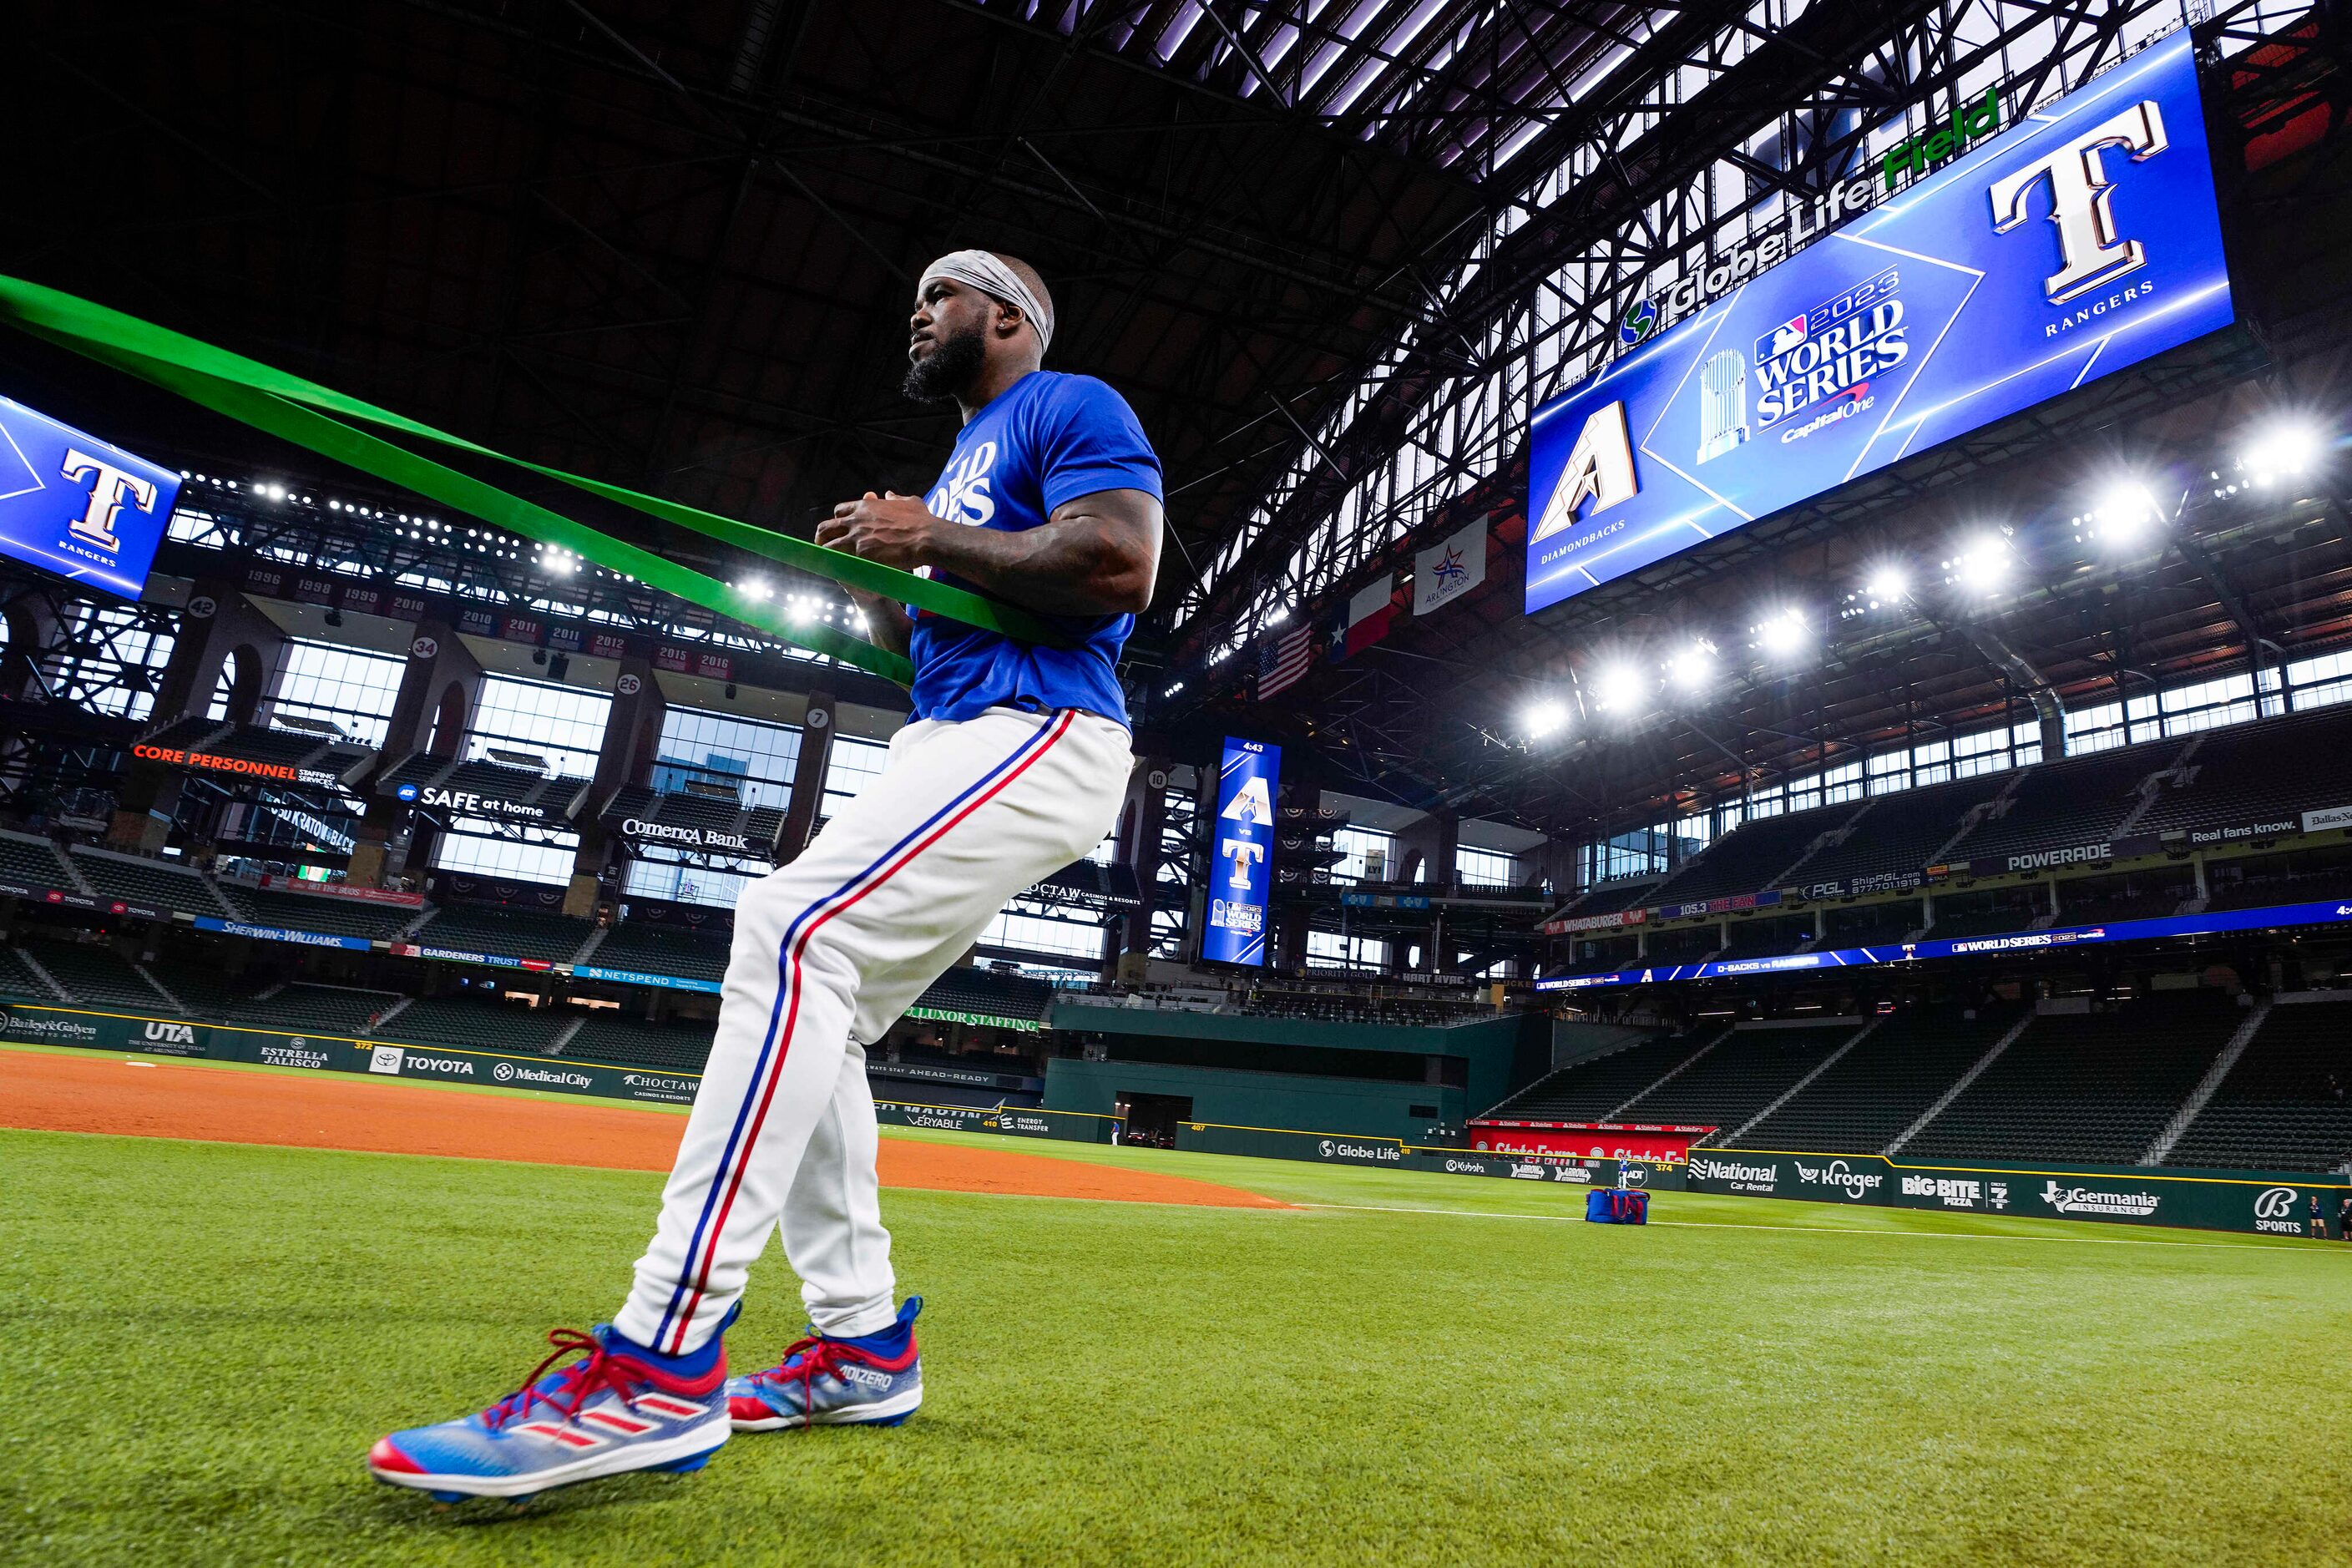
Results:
951 366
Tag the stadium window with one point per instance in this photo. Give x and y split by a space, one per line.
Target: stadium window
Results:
216 710
1368 855
2320 682
852 766
92 663
1024 932
684 883
1484 868
471 845
696 743
1329 950
1984 753
562 723
1842 784
347 687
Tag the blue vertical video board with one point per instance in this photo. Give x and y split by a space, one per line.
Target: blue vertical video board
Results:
1241 870
77 506
2081 240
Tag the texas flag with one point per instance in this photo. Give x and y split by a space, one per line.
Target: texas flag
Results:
1370 610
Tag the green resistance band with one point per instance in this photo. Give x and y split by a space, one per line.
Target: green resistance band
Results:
319 418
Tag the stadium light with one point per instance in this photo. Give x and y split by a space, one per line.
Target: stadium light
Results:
1543 717
1276 615
1783 633
1618 687
1980 566
757 587
1692 667
1886 586
2125 514
2284 451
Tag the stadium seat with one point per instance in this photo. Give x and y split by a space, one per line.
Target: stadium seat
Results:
2094 1087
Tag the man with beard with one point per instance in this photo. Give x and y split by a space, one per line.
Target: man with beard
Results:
1013 765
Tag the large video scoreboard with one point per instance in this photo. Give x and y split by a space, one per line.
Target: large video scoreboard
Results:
2077 242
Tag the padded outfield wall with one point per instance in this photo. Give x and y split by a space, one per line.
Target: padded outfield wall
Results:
2275 1203
2272 1202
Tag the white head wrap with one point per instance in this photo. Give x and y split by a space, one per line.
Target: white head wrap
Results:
982 270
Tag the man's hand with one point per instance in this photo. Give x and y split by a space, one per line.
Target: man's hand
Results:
897 530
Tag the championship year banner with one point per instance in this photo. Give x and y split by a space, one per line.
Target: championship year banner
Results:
1240 871
2075 243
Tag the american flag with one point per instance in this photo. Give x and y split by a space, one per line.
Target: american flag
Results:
1286 658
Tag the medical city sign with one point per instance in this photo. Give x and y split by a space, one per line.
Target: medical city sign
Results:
2081 240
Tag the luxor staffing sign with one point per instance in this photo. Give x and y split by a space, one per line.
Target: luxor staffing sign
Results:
77 506
2081 240
1240 874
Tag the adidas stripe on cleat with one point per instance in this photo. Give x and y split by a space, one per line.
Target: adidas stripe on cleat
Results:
617 1408
823 1382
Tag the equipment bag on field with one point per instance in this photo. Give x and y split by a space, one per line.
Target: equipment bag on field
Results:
1617 1205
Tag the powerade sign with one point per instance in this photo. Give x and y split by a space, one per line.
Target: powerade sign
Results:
2078 242
77 506
1239 869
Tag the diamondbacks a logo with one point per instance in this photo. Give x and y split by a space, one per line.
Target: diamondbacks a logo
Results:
1600 469
961 494
1251 806
2092 253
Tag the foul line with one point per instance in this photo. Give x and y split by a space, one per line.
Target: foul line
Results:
1817 1229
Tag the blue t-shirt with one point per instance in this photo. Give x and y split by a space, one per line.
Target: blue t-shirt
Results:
1046 439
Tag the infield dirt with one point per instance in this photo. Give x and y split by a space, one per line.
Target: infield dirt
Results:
48 1092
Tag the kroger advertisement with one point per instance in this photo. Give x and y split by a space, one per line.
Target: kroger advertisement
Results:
2069 245
1239 872
77 506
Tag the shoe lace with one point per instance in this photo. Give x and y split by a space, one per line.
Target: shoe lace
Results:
804 1362
573 1386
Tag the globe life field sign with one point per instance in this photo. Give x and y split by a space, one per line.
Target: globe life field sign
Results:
77 506
2077 242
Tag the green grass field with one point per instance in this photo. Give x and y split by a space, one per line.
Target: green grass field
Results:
202 1340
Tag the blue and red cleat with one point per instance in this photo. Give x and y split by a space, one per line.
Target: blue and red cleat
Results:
618 1408
875 1381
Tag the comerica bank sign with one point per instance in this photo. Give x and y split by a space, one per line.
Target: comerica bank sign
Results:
2075 243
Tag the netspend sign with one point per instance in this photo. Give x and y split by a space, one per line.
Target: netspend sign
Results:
1239 871
2075 244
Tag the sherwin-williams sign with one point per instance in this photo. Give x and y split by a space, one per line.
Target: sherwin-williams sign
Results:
2261 1202
2079 241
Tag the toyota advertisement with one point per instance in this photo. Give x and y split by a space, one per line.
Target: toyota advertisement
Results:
1239 871
2081 240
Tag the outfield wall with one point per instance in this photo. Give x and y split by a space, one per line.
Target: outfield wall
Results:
2276 1203
1368 1107
2257 1202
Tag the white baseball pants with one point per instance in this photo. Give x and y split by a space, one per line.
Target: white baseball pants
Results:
829 951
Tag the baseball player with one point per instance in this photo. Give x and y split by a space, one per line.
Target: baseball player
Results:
1013 765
